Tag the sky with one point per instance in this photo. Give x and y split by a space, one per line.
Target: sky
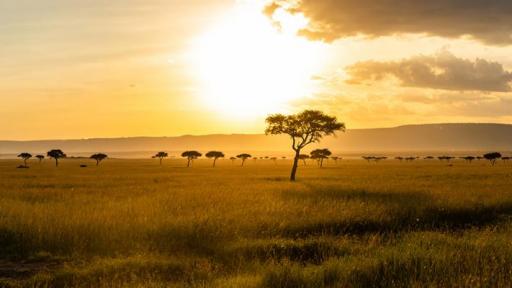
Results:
98 68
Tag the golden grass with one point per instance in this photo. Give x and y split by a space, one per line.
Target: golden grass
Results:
133 223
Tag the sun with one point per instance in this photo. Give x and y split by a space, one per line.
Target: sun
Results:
246 66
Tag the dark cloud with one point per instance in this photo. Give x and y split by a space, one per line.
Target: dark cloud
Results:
440 71
488 21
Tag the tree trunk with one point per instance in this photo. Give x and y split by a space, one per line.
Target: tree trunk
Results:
295 165
160 161
188 163
56 162
243 161
214 160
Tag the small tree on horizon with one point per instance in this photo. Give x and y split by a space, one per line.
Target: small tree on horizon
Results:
25 156
244 157
320 155
99 157
191 156
469 159
304 128
304 157
215 155
56 154
233 159
40 157
492 157
161 155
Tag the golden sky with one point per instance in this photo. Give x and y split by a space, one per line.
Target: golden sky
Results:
98 68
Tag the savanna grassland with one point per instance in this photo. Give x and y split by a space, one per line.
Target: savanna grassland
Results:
133 223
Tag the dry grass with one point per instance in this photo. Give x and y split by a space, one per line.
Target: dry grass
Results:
132 223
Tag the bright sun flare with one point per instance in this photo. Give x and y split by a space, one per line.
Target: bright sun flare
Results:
248 67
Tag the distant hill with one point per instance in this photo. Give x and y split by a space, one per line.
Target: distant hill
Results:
410 138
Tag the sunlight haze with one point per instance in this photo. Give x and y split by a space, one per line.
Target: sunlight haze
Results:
79 69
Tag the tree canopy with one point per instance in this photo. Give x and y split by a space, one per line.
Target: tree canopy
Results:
99 157
25 156
191 155
215 155
493 157
304 128
56 154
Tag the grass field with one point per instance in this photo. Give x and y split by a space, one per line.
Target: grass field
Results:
133 223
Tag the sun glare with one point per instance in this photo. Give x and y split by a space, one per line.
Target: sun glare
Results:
247 66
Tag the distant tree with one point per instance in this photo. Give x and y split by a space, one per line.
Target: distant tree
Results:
40 157
244 157
368 158
304 128
25 156
304 157
493 157
479 158
410 159
320 155
99 157
378 159
274 159
429 158
469 159
214 155
56 154
399 158
446 158
283 158
161 155
233 159
335 159
191 156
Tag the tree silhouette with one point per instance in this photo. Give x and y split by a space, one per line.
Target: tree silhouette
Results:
493 157
215 155
320 155
56 154
233 159
25 156
304 157
40 157
99 157
469 159
336 158
429 158
506 159
161 155
244 157
399 158
304 128
274 159
191 156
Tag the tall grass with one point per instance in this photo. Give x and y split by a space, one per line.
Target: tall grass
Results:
135 223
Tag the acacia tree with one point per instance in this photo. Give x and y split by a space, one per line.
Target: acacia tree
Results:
244 157
161 155
335 158
25 156
304 128
215 155
191 156
303 157
469 159
492 157
56 154
99 157
320 155
233 159
40 157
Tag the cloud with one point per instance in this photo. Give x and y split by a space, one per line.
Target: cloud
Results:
488 21
440 71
